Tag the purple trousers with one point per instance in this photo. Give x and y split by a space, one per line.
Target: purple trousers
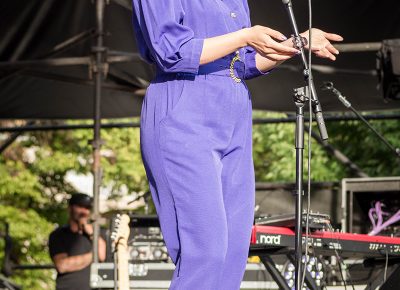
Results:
196 145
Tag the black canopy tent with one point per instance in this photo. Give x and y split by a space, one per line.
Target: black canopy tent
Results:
45 56
53 55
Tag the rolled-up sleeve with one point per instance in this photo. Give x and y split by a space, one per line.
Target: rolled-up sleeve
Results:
173 45
251 70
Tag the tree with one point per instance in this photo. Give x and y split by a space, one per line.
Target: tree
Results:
34 189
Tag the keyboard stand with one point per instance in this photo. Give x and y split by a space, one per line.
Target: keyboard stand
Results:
265 257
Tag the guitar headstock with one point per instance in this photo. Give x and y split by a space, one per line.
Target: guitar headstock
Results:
121 231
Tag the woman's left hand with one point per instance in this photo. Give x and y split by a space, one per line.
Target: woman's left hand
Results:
320 43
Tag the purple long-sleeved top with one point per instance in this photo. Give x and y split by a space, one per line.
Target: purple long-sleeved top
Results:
171 33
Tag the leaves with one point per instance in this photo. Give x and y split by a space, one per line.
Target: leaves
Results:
30 233
274 153
34 188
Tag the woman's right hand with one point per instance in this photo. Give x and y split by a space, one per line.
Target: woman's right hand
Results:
261 38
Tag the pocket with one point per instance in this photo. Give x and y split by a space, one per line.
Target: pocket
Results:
175 98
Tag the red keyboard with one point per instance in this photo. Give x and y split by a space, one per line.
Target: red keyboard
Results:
281 239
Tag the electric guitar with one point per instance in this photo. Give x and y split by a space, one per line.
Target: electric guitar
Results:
119 237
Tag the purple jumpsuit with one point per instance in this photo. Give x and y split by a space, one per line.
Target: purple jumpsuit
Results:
196 139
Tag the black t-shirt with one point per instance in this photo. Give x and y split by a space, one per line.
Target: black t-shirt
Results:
63 240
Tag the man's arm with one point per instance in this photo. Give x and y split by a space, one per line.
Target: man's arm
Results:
65 264
102 249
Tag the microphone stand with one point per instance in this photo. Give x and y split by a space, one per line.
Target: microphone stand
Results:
329 86
300 97
307 74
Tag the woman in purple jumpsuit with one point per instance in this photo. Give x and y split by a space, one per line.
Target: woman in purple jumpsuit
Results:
196 129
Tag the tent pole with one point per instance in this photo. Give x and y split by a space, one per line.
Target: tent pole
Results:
13 137
256 121
33 28
359 47
98 68
19 66
13 30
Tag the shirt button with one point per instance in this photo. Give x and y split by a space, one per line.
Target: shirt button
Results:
233 14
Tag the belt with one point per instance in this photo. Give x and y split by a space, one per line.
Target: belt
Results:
231 66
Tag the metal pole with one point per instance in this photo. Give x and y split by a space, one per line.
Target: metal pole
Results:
307 74
13 29
359 47
257 121
347 104
97 70
66 61
300 97
33 28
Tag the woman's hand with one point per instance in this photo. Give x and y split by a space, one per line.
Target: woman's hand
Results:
320 43
261 38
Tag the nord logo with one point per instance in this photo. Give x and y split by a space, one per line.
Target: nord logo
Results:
270 240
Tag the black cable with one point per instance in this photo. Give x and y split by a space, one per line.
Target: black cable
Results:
386 266
309 141
340 261
341 273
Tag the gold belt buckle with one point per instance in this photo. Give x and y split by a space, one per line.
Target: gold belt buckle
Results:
231 70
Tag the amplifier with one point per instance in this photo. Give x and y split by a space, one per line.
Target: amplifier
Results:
360 196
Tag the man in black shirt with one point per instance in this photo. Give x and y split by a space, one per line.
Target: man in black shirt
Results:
70 246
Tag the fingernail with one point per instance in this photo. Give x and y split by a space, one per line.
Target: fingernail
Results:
298 52
284 37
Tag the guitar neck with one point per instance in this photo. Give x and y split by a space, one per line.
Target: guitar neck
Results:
123 273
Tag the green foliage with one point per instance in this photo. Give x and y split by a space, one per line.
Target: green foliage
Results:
30 233
34 189
121 159
357 141
274 152
14 180
275 156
